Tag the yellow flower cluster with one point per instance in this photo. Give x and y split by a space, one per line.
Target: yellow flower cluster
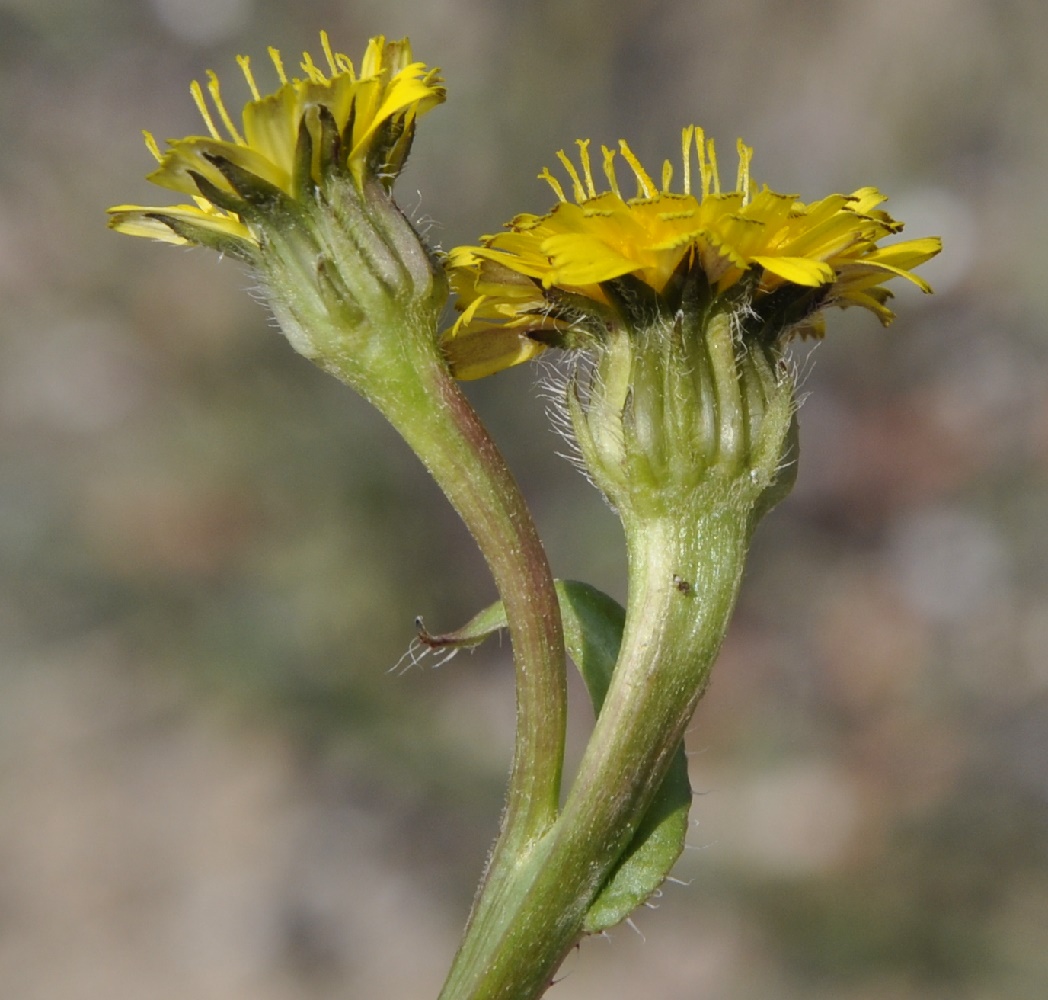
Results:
373 112
513 287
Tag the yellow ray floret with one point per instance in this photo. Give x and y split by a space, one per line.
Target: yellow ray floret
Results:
380 103
595 236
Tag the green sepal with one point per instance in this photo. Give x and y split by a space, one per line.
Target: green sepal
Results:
593 624
255 191
302 182
331 143
223 243
227 200
389 150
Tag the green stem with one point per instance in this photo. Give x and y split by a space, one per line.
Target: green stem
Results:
525 925
424 403
356 291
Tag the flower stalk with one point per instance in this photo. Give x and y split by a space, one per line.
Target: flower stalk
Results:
669 645
418 396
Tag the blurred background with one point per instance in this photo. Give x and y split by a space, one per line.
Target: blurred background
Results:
211 554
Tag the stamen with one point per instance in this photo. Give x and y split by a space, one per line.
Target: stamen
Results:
667 176
609 170
714 175
311 69
553 183
152 146
329 55
576 182
743 182
685 149
198 98
583 145
645 185
704 169
216 96
245 68
278 64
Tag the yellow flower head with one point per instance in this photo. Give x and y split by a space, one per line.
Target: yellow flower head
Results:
359 124
547 278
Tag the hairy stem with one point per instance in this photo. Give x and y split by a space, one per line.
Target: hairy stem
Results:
525 924
424 403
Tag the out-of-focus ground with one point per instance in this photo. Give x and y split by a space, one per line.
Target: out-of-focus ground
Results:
211 554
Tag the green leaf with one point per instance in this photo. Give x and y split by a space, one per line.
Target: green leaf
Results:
593 624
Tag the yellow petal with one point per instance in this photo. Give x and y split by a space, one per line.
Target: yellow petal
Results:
483 352
797 270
